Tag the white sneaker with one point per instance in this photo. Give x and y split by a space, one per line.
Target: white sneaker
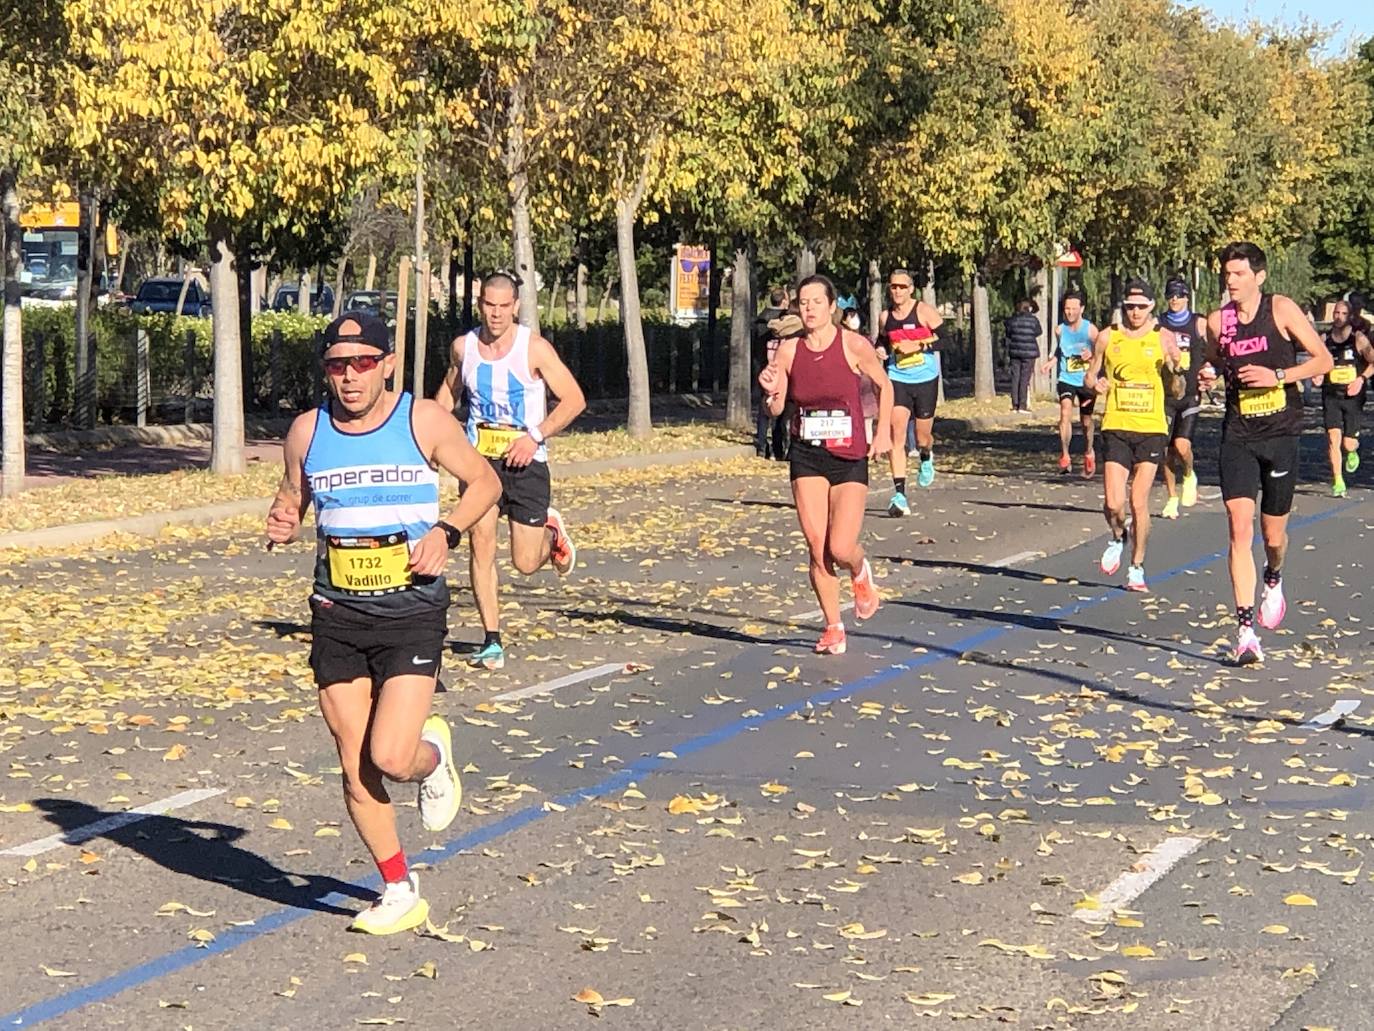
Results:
441 793
1111 557
1248 648
398 909
1272 606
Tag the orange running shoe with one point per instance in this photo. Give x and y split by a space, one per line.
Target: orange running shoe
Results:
562 551
832 642
866 599
1064 463
1089 465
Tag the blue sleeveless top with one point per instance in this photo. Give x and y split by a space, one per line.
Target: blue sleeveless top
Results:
1072 342
375 496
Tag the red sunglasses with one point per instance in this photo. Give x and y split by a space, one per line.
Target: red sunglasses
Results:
361 362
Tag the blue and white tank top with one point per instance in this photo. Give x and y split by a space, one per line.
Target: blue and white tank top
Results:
375 496
1072 343
502 396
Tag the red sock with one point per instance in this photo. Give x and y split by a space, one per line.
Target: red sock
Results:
394 869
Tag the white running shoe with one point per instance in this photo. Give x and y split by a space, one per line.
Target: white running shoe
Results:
1248 650
399 908
1135 578
1272 607
441 793
1111 557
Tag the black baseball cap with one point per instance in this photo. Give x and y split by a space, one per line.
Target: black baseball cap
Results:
356 327
1138 289
1177 287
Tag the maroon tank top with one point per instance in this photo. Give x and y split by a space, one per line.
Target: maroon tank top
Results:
826 391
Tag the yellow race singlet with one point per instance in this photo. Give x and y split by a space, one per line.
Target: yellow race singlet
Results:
1135 404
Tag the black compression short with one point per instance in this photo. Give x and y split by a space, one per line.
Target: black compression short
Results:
815 460
349 646
1129 448
919 397
1342 413
1267 468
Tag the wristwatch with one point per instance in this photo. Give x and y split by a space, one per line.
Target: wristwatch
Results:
451 533
1278 375
534 432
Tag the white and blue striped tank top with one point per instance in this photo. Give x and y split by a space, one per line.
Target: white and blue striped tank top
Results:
375 496
502 392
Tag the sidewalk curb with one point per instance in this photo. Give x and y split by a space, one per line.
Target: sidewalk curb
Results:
171 433
153 523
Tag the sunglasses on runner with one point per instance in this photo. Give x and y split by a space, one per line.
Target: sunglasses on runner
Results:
1138 306
361 362
899 286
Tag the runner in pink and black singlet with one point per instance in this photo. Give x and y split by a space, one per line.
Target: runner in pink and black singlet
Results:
818 373
1263 345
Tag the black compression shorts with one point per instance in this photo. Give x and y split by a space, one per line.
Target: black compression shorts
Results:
815 460
1342 413
1267 468
1129 448
919 397
349 646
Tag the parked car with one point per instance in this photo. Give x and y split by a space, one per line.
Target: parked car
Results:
373 302
160 295
321 298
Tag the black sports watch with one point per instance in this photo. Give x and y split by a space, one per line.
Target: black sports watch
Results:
451 532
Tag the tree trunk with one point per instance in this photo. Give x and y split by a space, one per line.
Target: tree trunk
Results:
639 422
12 349
123 263
553 295
85 352
984 386
303 298
371 269
244 277
226 442
605 301
875 297
806 259
1117 289
928 291
517 182
581 292
446 278
339 285
451 283
1041 385
740 385
417 377
468 260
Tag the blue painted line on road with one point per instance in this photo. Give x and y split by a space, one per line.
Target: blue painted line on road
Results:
169 963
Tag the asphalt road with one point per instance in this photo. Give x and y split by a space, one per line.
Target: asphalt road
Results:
1024 796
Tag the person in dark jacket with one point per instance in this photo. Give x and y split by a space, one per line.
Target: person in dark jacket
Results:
1023 348
770 432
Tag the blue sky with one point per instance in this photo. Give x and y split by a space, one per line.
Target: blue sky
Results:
1353 19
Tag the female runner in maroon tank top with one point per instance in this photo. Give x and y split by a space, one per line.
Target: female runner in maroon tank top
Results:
818 374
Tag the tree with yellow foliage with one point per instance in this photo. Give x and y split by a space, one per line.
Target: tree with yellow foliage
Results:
230 111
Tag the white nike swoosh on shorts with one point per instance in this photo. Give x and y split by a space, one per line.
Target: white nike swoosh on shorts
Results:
1274 474
420 662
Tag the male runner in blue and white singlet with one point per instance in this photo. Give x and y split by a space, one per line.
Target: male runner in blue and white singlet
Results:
507 373
369 460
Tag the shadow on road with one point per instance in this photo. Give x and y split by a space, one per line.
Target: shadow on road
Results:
205 851
1007 572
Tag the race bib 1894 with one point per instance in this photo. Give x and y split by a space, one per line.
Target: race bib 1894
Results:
493 439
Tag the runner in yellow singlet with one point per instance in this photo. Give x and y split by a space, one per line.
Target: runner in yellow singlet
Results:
1138 359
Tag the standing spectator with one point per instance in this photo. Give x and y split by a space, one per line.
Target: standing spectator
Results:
1023 348
770 432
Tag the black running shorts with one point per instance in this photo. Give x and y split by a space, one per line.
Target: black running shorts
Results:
1342 413
814 460
1085 397
525 492
919 397
1182 416
1129 448
348 645
1267 468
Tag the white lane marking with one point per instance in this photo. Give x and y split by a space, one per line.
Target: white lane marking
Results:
77 835
802 617
1338 711
548 687
1132 884
1017 559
